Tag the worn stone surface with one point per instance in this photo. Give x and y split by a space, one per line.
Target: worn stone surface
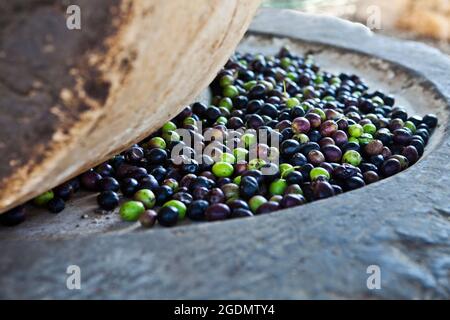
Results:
319 250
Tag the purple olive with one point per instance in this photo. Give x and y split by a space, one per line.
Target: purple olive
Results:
89 180
315 157
268 207
371 177
344 171
410 152
218 211
301 125
390 167
322 189
332 153
340 138
292 200
328 128
216 195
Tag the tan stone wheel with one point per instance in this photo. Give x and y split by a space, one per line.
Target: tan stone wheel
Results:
70 99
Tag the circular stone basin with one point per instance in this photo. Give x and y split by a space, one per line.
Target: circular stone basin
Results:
318 250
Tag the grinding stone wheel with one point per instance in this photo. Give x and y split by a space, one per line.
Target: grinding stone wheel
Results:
70 99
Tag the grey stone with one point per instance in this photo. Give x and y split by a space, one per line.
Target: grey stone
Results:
319 250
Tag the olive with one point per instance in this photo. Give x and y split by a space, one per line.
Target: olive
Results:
351 145
309 146
255 202
322 190
402 136
105 170
221 181
216 195
147 197
365 166
298 160
314 120
218 211
270 110
131 210
328 128
292 200
200 182
115 162
196 210
319 172
156 156
108 200
187 181
332 153
129 186
344 171
423 133
212 113
410 152
148 218
301 125
64 191
75 183
238 204
167 216
136 173
370 177
377 160
315 157
374 148
148 182
404 163
134 154
326 141
419 145
89 180
390 167
241 213
200 193
248 187
354 182
255 174
430 120
178 205
292 189
268 207
222 169
108 184
230 190
278 187
254 121
294 177
337 189
306 169
13 217
163 194
352 157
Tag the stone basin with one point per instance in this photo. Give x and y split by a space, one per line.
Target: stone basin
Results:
318 250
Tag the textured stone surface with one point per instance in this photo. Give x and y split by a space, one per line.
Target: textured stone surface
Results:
319 250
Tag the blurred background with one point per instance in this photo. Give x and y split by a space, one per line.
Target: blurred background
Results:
421 20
